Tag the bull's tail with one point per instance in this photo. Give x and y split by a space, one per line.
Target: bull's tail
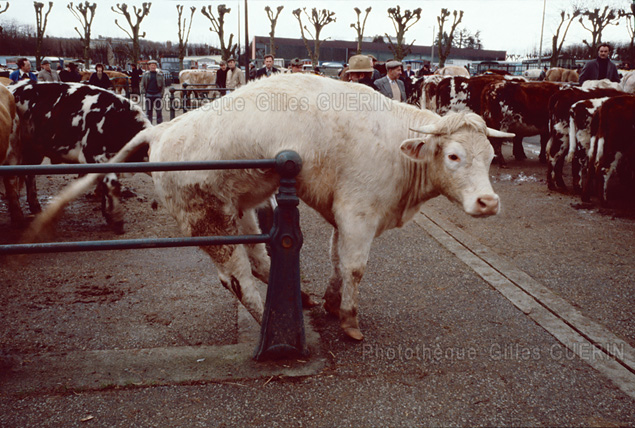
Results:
572 139
47 218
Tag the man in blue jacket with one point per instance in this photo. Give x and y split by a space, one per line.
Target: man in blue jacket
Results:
23 71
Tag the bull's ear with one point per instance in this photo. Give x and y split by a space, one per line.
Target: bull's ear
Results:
414 148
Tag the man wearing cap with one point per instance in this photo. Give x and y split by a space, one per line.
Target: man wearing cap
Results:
268 69
295 66
46 74
390 85
23 71
360 70
235 76
152 86
70 73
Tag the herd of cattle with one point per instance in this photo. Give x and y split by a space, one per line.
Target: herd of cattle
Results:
592 126
364 172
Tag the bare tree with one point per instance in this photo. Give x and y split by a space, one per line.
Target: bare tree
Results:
319 20
84 13
183 35
6 6
599 21
140 13
556 47
359 27
445 46
40 23
401 24
217 27
630 27
274 20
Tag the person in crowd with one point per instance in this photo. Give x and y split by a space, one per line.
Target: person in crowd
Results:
360 70
601 67
543 74
252 71
135 78
295 66
235 76
70 73
46 74
23 71
153 87
100 78
376 73
268 69
390 85
221 77
409 72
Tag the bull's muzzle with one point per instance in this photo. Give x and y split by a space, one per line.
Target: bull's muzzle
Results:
486 205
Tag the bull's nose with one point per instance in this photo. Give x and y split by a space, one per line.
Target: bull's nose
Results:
487 205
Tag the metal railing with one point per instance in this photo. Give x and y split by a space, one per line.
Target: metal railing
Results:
187 101
282 330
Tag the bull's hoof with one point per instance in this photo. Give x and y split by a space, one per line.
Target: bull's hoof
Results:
307 301
520 156
117 227
354 333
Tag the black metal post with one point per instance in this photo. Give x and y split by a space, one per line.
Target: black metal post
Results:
185 98
282 330
172 112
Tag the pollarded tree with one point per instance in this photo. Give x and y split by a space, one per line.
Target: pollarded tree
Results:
445 45
273 19
6 6
556 47
359 27
599 21
184 35
218 24
319 20
84 13
402 24
140 13
40 22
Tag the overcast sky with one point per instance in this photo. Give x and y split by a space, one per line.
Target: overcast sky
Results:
513 26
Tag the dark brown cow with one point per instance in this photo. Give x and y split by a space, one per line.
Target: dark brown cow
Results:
458 93
612 146
520 108
559 112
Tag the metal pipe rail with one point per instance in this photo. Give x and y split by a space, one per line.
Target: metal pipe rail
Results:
282 330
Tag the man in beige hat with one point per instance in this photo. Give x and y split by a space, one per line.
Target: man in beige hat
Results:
235 76
360 70
390 85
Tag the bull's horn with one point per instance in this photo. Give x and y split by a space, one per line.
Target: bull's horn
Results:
426 129
498 134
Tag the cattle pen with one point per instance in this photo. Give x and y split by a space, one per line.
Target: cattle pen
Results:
282 332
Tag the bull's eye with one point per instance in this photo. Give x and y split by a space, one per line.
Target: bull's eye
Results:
454 158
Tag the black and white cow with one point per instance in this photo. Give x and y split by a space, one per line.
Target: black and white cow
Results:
76 123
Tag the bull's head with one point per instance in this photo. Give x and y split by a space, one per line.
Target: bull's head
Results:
458 158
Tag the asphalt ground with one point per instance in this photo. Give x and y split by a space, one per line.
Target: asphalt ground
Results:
442 345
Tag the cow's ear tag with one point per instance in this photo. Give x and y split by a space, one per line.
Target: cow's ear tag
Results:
414 148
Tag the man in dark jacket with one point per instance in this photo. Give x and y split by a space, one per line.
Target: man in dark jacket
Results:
600 68
221 77
268 69
99 78
70 73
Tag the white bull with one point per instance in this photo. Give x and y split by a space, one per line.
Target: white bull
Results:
207 78
365 170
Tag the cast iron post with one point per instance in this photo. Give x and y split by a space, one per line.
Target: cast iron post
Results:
172 112
282 330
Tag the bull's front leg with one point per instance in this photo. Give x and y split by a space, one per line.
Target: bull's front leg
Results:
111 206
542 157
354 241
518 151
13 200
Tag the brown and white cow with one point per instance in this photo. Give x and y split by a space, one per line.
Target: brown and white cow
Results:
521 108
367 167
458 93
429 91
558 74
9 149
612 147
559 112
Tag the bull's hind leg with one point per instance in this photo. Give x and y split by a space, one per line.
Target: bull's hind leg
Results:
208 216
31 195
111 207
333 294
